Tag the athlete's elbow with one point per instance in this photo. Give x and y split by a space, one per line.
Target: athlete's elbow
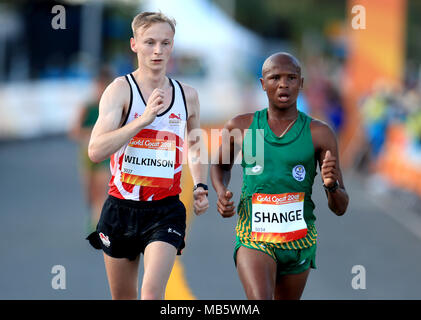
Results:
93 154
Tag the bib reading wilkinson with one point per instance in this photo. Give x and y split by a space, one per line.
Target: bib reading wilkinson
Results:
149 162
278 218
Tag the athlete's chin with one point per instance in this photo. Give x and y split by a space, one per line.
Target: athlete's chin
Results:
158 64
284 105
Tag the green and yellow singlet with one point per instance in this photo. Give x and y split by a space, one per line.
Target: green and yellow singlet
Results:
288 170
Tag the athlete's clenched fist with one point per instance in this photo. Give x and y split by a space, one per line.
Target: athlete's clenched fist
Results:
154 106
329 170
201 202
225 207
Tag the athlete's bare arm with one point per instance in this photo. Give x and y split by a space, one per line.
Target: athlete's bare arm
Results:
107 135
197 150
326 148
221 172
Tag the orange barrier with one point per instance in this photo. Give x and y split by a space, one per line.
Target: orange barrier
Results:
376 53
394 164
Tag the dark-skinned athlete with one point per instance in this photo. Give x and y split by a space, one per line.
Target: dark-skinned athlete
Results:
276 237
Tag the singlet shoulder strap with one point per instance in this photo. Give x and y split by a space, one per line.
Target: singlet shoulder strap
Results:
259 119
172 99
130 103
184 97
134 84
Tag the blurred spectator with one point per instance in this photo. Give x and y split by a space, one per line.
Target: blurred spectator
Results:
374 110
413 123
388 105
95 176
334 109
321 90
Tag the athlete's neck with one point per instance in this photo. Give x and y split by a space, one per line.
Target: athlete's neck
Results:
150 79
289 113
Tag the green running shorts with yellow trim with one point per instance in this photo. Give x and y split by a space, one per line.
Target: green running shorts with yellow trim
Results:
288 261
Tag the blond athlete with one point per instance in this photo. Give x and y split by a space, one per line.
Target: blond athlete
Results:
141 127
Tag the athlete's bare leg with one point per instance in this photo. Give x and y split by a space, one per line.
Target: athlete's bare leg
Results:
122 277
158 262
86 177
291 286
257 272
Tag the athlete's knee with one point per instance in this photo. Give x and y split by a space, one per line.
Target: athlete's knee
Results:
258 293
288 296
124 295
152 292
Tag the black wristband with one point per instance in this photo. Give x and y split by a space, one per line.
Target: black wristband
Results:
332 188
204 186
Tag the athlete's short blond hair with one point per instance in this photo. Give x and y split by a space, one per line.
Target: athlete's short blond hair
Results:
146 19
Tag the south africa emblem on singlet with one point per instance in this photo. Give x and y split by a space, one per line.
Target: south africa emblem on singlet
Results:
299 172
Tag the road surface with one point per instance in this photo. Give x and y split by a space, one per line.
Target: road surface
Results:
43 217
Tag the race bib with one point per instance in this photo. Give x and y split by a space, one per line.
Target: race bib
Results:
278 218
149 162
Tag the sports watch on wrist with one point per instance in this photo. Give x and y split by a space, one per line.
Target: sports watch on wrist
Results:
204 186
332 188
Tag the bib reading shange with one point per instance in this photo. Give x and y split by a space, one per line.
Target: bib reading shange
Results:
278 218
149 162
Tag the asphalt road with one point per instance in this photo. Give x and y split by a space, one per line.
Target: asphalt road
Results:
43 217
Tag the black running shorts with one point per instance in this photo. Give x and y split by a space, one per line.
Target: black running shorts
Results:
126 227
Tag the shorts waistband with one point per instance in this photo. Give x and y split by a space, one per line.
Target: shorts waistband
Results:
144 204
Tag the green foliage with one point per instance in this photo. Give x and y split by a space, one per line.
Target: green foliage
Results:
413 30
